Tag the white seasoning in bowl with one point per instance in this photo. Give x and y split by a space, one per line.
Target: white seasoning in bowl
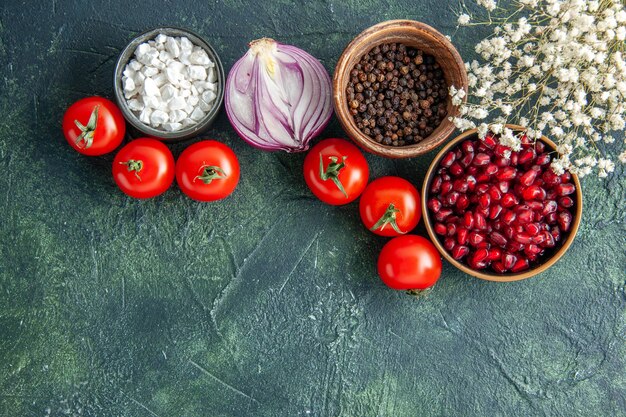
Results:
170 83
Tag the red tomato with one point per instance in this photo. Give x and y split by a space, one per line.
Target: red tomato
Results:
144 168
409 262
336 171
390 206
207 171
94 126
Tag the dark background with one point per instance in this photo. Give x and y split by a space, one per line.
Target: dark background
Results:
268 303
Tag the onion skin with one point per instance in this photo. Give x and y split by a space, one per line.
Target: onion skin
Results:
278 97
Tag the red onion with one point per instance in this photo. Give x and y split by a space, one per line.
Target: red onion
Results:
278 96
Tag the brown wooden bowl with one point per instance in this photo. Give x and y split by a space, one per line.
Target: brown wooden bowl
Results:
409 33
544 264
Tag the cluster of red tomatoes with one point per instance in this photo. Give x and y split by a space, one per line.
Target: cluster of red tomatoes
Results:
206 171
337 173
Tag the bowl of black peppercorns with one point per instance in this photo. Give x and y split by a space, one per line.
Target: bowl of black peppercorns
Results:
390 88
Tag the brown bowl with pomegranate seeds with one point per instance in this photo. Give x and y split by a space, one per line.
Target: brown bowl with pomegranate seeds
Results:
498 218
390 88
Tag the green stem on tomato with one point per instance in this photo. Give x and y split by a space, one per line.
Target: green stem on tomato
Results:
388 218
332 171
210 173
88 132
134 166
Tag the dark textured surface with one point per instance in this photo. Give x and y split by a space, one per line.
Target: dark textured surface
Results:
266 304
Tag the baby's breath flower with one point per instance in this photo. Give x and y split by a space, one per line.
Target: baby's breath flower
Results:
556 65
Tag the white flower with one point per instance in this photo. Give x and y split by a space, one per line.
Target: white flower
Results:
622 157
464 19
605 166
490 5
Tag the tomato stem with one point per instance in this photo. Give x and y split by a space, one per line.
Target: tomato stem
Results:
419 293
134 165
87 132
332 171
210 173
388 218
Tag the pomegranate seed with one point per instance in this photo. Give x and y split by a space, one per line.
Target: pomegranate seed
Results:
490 169
482 188
551 218
435 186
501 150
514 158
498 267
506 174
504 186
440 229
534 192
459 252
483 210
535 205
508 260
451 229
524 216
482 177
532 228
565 221
498 239
549 241
523 238
509 200
549 207
474 238
452 219
502 162
451 198
472 170
467 159
461 235
480 221
525 140
442 214
540 146
509 217
566 176
460 185
495 193
495 211
551 195
448 159
565 189
550 178
526 156
481 255
540 238
532 250
476 265
518 228
449 243
484 200
471 182
556 234
566 202
528 178
543 159
467 146
494 254
446 187
490 141
462 203
434 205
521 265
456 169
514 246
481 159
468 220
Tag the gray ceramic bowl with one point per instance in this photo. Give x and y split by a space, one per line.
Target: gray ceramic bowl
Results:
182 134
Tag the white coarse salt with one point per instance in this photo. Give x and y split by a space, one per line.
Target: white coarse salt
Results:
170 83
